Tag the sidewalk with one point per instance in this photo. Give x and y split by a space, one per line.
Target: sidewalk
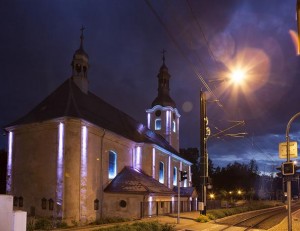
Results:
283 226
187 223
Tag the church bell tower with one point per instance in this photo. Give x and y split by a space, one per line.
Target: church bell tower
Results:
80 66
163 117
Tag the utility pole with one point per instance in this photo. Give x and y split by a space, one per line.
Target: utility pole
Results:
203 150
178 197
181 177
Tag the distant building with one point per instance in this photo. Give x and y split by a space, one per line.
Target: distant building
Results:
76 157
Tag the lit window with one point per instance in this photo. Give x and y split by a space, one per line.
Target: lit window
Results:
112 165
175 176
161 172
174 126
157 124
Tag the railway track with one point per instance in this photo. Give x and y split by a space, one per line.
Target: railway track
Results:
261 219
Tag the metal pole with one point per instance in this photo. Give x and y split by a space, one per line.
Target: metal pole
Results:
288 183
203 149
178 197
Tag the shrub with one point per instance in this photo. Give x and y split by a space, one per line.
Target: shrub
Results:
61 224
202 219
30 224
108 220
44 224
141 226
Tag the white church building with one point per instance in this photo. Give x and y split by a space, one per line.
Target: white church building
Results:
76 157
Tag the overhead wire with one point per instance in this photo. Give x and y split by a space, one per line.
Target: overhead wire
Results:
214 58
197 73
201 30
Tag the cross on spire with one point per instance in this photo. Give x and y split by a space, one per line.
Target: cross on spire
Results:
163 55
81 36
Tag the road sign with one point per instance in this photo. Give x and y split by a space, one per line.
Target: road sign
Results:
293 150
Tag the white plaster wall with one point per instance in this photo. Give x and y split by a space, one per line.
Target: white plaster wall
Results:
6 212
34 165
19 220
72 159
112 208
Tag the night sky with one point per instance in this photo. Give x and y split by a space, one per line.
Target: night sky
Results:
124 39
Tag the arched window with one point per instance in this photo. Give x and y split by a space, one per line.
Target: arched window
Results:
158 124
96 204
173 126
51 204
44 203
161 172
112 165
21 202
16 201
175 176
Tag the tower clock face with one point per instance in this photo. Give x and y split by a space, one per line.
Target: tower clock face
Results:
158 113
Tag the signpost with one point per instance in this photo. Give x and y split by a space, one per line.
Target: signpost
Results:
288 166
283 150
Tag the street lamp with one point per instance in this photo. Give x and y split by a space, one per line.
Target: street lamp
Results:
288 184
237 76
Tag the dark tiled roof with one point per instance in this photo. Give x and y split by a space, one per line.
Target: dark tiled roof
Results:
184 191
134 181
69 101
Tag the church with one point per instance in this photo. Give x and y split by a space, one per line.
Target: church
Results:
76 157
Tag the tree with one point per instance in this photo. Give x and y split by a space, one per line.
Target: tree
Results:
236 176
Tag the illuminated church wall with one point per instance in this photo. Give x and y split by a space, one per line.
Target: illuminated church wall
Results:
59 162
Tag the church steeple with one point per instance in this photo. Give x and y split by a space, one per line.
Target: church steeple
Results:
163 98
163 116
80 65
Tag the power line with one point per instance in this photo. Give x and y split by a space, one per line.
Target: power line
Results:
202 32
198 74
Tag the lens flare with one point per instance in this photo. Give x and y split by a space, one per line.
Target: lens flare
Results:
237 76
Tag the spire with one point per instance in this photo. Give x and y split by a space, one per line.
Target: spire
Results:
163 98
80 65
81 37
163 56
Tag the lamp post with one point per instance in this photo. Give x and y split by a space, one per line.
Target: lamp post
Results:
288 181
236 76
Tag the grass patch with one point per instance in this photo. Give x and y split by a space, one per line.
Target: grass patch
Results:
250 206
44 224
109 220
141 226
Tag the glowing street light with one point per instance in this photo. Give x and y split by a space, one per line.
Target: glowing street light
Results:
212 196
237 76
